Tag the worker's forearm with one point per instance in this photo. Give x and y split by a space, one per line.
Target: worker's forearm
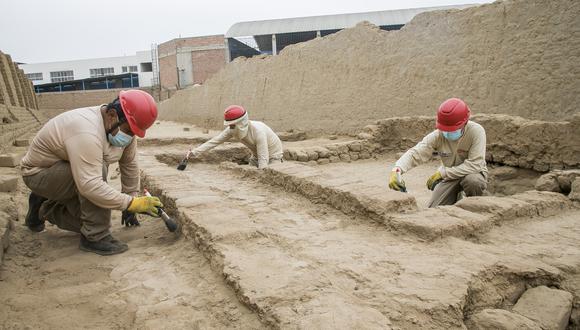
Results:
212 143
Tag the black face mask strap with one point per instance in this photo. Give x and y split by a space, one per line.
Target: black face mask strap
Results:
116 105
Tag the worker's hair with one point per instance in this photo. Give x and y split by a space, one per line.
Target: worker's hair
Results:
116 105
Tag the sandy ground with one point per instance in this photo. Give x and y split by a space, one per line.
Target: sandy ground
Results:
304 264
255 256
373 172
376 172
162 282
169 130
502 180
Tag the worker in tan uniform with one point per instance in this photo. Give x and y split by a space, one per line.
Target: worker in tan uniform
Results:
460 144
264 144
66 170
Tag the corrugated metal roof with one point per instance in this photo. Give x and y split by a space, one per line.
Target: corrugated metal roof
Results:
329 22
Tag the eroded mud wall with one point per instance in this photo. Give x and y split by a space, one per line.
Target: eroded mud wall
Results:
517 57
18 104
15 89
53 104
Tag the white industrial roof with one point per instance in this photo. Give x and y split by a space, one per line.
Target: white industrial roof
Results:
329 22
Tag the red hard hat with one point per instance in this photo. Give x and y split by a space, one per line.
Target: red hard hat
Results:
140 110
452 115
233 114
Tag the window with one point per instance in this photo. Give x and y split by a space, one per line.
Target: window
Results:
101 72
34 76
146 67
130 68
60 76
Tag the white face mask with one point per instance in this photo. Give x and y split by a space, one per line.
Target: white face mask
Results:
241 129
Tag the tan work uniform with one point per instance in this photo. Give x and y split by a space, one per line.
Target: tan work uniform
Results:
264 144
67 163
463 163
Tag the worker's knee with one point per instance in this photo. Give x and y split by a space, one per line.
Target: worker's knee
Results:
474 184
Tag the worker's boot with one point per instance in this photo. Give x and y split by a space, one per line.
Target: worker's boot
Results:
106 246
33 220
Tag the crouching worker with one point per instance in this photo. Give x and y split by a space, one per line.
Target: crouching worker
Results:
264 144
460 144
66 170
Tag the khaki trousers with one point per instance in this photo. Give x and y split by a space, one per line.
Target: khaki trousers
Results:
445 193
65 207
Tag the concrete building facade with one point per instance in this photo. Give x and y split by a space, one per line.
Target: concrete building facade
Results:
170 66
187 61
55 72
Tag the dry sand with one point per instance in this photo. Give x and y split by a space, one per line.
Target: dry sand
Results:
162 282
253 255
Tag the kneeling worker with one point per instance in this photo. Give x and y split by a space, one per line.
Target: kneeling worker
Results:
66 170
460 144
264 144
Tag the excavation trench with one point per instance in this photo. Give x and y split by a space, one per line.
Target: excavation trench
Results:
357 189
277 251
503 180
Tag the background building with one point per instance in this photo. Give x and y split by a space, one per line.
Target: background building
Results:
97 73
183 62
188 61
271 36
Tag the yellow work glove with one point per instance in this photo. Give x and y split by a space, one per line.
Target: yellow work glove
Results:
395 180
434 180
145 204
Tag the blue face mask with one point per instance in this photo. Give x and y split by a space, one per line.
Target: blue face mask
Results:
120 139
452 136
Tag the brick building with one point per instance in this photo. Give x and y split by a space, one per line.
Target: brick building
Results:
188 61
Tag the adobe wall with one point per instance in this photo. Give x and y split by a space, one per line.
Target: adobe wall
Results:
79 99
517 57
18 105
15 89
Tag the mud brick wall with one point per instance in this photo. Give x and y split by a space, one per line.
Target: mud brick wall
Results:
335 152
15 89
80 99
18 105
516 57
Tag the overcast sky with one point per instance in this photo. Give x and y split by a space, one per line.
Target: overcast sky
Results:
34 31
